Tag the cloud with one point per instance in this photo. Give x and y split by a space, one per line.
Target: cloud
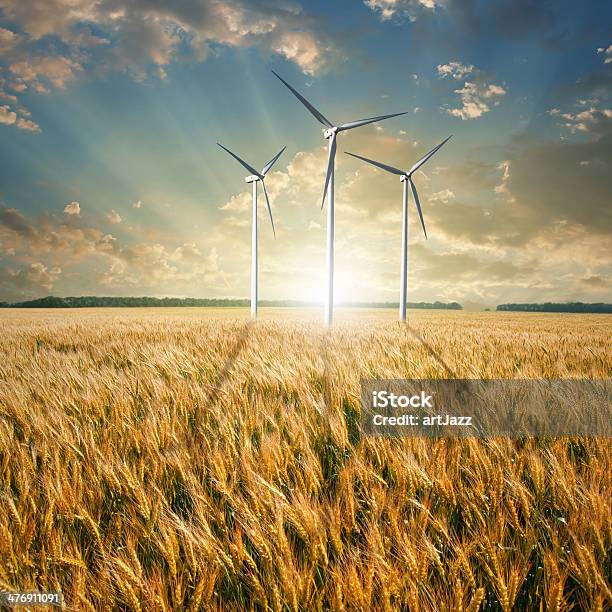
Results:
13 220
411 9
592 120
46 235
8 40
476 99
444 196
461 266
28 282
137 204
145 32
10 117
607 53
143 37
596 282
155 266
523 221
188 251
58 71
74 208
502 187
114 217
7 116
98 261
463 21
304 49
456 70
477 95
496 229
27 125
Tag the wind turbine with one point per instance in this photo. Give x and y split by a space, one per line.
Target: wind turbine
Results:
330 134
256 177
406 178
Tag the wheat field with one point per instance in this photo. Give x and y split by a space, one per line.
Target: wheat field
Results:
188 459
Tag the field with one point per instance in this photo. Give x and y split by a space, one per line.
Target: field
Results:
187 459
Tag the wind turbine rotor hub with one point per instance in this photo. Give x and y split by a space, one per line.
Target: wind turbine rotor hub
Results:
330 132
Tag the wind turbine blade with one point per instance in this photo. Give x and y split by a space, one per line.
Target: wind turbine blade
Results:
360 122
320 117
330 167
430 154
241 161
418 205
378 164
272 162
263 184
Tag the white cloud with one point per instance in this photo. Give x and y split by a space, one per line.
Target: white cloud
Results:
476 99
477 95
444 196
387 9
502 187
114 217
456 70
302 48
590 120
73 208
137 204
607 53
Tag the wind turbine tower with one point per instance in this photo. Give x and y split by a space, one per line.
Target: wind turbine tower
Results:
406 179
330 134
255 178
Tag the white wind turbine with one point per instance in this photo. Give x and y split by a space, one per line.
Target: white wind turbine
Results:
405 177
256 177
330 134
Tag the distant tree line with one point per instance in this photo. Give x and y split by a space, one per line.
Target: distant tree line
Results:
426 305
599 307
118 302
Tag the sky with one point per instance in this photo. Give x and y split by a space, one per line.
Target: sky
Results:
111 182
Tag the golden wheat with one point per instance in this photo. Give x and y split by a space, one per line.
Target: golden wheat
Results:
191 460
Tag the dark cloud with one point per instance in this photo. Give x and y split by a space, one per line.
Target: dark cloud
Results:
13 220
116 263
596 282
28 282
552 185
467 267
